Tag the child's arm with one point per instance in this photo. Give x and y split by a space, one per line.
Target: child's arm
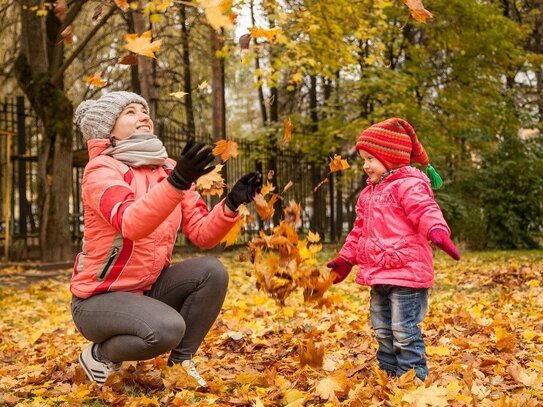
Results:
422 210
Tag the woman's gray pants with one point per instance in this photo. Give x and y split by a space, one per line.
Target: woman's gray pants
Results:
175 315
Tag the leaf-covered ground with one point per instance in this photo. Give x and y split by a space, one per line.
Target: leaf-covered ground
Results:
484 336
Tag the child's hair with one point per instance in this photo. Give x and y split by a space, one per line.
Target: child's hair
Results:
395 144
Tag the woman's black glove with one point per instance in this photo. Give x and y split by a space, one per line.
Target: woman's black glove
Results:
191 165
244 190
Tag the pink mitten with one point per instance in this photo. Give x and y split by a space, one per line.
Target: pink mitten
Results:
441 239
341 267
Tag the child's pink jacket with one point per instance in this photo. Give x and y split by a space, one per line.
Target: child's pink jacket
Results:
132 216
389 240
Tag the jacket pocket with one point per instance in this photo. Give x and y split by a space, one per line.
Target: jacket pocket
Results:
388 254
110 260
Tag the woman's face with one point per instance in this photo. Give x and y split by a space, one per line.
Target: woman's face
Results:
133 119
372 166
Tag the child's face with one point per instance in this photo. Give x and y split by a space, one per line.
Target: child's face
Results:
133 119
372 166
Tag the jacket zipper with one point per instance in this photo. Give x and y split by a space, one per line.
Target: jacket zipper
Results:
109 262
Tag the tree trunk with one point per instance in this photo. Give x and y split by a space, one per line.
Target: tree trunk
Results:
187 80
134 71
260 91
55 111
217 88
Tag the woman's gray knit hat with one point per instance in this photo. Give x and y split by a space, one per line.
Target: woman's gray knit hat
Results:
96 118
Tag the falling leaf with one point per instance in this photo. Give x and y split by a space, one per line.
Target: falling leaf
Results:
287 187
203 85
225 149
265 208
244 41
269 34
320 184
338 163
313 237
418 11
214 12
142 44
129 59
267 188
287 133
61 8
232 236
179 94
96 80
66 35
427 396
122 4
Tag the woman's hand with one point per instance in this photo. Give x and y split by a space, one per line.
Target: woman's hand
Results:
191 165
244 191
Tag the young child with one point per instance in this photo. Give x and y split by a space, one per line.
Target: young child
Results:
128 299
396 217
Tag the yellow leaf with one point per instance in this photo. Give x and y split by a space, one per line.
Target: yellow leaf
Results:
311 354
203 85
269 33
142 45
225 149
327 387
162 5
313 237
437 350
211 183
338 164
214 12
233 234
504 339
427 396
267 188
180 94
96 80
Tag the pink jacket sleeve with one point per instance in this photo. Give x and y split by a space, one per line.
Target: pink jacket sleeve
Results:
349 249
422 210
106 191
204 228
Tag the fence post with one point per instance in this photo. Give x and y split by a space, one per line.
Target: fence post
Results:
21 167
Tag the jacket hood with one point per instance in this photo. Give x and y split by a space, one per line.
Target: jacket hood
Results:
96 146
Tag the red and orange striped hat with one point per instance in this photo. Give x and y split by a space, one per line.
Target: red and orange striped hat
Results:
394 143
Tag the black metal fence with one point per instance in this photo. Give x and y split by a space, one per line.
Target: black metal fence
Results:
20 136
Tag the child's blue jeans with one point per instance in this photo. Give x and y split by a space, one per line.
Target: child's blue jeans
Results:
395 313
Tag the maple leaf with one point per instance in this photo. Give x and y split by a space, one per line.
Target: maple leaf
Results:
179 94
267 188
523 376
142 45
287 133
427 396
225 149
338 163
214 12
418 11
504 339
211 183
264 208
203 85
122 4
310 354
232 236
269 33
326 388
96 80
313 237
437 350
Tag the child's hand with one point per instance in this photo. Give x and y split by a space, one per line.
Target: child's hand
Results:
341 267
441 239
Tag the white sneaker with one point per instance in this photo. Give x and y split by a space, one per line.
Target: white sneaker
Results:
95 369
191 370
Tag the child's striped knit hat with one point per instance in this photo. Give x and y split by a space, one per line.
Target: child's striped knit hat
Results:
395 144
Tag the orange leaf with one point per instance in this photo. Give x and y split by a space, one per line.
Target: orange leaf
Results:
327 387
233 234
320 184
287 134
338 163
418 11
270 34
122 4
265 209
142 44
226 149
129 59
310 354
267 188
66 35
215 13
96 80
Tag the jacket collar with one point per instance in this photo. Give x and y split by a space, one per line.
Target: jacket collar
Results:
403 172
96 146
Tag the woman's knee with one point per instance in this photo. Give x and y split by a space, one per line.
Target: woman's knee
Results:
167 332
217 273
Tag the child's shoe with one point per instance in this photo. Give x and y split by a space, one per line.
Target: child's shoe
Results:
94 369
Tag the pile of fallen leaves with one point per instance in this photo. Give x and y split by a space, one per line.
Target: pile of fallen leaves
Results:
484 336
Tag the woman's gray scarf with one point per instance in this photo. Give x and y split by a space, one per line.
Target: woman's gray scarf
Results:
137 150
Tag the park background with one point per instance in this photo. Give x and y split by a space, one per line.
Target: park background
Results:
292 83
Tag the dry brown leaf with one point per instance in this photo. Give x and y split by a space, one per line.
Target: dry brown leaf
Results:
310 354
287 133
129 59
